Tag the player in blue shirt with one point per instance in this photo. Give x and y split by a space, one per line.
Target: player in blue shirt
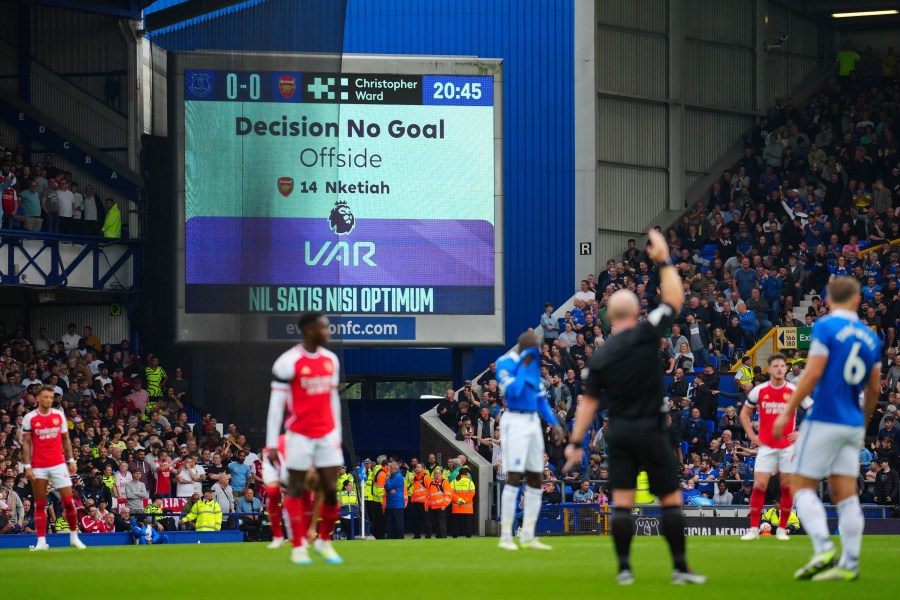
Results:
522 439
844 364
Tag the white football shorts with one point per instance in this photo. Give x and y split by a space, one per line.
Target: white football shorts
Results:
768 460
304 452
58 475
523 443
825 449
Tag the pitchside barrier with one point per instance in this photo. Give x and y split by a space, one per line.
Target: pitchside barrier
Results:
230 532
593 519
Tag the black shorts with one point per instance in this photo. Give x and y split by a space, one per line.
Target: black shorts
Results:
636 446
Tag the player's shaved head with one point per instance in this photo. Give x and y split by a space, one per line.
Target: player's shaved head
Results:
843 290
528 340
622 305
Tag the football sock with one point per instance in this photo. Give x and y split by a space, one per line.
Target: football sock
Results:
787 505
40 517
757 499
71 515
851 524
273 505
508 500
299 512
330 513
532 510
622 526
812 515
673 530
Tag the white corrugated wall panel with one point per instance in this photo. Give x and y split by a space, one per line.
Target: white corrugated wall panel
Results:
632 63
629 197
57 318
708 135
719 76
631 132
154 88
692 178
645 15
717 21
82 42
610 246
76 116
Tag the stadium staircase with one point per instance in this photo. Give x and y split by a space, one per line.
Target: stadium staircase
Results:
100 149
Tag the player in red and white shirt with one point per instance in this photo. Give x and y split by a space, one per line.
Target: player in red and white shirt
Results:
45 448
274 475
305 382
771 399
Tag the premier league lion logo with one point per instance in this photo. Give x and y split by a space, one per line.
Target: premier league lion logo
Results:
341 218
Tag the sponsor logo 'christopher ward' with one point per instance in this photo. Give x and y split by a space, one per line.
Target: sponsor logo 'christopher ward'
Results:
285 186
287 85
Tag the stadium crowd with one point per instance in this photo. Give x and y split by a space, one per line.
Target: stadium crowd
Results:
815 194
41 197
143 467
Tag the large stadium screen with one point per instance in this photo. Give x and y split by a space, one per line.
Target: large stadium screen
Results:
371 195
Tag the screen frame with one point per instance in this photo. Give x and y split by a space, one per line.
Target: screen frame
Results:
436 331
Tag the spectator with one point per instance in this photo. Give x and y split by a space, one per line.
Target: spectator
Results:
225 496
136 492
678 387
249 503
549 325
722 497
890 430
584 494
240 474
695 431
887 484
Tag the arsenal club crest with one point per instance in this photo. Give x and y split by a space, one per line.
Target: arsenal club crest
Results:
285 186
287 85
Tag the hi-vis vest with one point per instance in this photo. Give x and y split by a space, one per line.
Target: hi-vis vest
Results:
439 494
773 517
62 525
463 496
642 493
348 498
376 487
420 484
207 514
367 488
745 374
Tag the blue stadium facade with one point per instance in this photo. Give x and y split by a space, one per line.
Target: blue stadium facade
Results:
534 38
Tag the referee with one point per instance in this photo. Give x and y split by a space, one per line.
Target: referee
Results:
627 369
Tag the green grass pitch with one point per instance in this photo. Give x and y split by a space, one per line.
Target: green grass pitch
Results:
578 567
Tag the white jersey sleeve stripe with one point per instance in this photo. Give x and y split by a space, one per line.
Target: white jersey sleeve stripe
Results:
753 396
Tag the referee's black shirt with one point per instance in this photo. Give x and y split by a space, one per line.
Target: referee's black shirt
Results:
626 372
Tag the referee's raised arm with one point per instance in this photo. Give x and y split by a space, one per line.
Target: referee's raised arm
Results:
622 312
